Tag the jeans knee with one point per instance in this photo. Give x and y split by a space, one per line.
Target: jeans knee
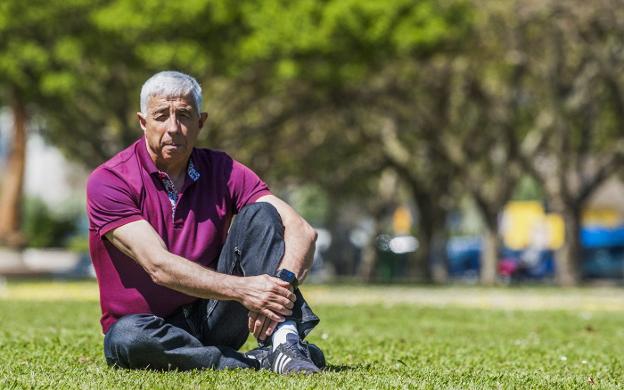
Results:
261 212
128 330
128 338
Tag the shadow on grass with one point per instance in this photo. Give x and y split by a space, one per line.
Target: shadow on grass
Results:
345 367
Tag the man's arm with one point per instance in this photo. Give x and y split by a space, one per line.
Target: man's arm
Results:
263 294
299 241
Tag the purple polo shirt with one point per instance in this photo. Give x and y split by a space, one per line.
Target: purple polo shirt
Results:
129 187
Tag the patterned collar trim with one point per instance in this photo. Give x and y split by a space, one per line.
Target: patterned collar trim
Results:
172 193
192 172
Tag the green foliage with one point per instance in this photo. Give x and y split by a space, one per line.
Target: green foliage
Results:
337 42
99 53
528 189
36 37
304 90
58 344
45 228
311 202
79 243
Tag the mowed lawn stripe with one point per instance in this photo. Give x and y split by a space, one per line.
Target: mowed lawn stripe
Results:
506 298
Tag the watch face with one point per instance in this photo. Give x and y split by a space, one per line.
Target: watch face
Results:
287 276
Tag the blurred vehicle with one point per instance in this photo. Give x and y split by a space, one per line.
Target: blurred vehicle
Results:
603 252
603 257
463 257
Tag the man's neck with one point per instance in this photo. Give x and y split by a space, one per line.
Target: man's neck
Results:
173 170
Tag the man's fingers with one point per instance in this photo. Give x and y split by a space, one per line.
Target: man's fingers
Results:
288 304
282 282
270 327
284 302
278 308
258 325
251 320
284 289
267 324
272 316
286 293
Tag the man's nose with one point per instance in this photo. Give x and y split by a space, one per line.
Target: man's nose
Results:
173 124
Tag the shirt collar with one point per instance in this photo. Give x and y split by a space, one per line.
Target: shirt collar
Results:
191 171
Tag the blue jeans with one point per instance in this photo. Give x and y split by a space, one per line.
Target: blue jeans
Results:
208 333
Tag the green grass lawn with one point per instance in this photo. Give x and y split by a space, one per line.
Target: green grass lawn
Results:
57 343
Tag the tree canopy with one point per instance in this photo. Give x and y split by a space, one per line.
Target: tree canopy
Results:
452 97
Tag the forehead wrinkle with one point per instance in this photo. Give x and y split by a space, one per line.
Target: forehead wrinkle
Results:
166 102
161 107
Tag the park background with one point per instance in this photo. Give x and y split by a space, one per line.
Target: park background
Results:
433 144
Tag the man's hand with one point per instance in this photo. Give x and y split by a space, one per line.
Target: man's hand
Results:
261 326
267 296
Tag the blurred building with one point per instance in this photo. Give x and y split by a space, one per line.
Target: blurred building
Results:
49 176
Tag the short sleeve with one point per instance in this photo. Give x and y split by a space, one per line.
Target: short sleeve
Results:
110 203
245 186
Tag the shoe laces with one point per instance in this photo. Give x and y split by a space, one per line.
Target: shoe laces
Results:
297 349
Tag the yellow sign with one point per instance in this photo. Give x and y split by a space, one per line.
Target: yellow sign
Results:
525 224
602 217
519 221
402 220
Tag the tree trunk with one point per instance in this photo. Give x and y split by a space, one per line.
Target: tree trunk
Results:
368 265
341 254
570 255
418 263
13 180
489 255
438 264
429 262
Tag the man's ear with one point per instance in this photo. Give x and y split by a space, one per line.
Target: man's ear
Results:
142 120
202 119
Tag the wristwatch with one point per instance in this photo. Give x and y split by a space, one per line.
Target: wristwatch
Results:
288 276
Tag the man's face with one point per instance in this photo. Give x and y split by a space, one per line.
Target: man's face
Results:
171 126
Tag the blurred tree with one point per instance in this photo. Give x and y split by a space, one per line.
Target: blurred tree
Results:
32 37
45 228
483 110
407 121
355 60
92 110
298 89
575 91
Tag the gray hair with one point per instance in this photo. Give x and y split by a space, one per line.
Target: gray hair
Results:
171 84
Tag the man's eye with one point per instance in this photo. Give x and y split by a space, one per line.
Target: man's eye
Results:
160 117
184 114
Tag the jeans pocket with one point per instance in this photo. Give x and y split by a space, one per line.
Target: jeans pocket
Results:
212 304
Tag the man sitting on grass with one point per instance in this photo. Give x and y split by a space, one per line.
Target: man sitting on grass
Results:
179 287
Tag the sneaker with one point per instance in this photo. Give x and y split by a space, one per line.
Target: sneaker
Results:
292 357
317 356
262 356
